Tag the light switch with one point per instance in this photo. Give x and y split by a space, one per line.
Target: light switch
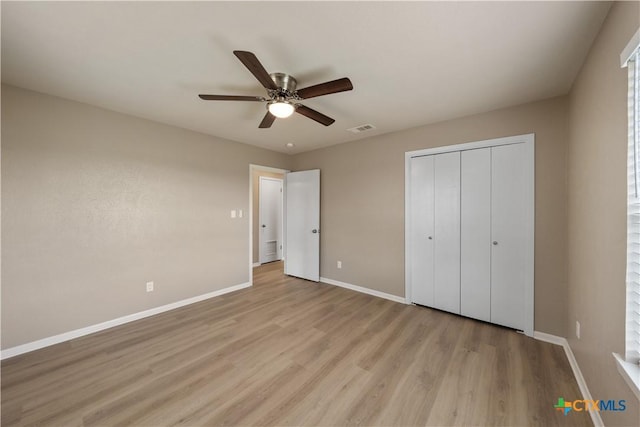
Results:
239 213
233 213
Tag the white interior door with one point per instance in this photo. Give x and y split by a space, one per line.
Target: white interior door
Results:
302 224
475 234
270 238
511 208
446 256
422 230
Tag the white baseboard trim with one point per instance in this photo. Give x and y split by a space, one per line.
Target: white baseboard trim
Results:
553 339
582 384
66 336
256 264
367 291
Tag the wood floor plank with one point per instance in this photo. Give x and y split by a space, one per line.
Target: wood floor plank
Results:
293 353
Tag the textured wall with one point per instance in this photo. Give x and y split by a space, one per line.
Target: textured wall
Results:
97 203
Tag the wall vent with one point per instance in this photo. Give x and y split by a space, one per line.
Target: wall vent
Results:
362 128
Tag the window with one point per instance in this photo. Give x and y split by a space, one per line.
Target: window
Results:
633 214
629 367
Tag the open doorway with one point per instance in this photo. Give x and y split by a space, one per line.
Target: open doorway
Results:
266 240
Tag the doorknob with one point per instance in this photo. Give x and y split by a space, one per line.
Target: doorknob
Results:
430 238
314 231
495 243
264 226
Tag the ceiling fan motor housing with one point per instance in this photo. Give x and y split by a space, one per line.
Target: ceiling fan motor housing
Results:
284 81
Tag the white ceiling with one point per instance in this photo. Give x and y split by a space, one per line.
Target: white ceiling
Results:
411 63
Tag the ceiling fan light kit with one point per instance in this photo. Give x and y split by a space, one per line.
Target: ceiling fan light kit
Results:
283 96
281 109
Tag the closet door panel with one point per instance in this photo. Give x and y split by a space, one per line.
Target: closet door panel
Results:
475 234
447 232
510 202
422 223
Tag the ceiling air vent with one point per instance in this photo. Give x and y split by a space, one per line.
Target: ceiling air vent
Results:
362 128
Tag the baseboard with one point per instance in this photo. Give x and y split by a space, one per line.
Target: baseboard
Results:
367 291
553 339
256 264
582 384
66 336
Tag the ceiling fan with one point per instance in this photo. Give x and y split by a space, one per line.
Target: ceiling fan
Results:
282 100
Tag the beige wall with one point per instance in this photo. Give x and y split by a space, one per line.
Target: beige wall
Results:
256 174
96 203
362 201
597 211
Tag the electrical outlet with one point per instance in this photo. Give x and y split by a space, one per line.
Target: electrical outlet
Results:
149 286
339 264
577 329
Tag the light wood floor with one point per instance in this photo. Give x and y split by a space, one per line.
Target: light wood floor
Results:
291 352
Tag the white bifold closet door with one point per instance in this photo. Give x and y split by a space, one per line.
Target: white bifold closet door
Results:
422 227
511 212
475 230
493 253
446 252
471 241
436 222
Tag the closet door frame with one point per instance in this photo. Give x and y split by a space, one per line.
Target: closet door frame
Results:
529 221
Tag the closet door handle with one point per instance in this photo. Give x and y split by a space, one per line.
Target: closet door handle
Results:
495 243
430 238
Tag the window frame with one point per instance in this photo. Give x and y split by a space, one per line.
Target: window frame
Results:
629 366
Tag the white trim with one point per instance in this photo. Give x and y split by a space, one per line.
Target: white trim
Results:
529 141
360 289
630 373
582 384
407 227
629 49
530 223
485 143
256 264
66 336
553 339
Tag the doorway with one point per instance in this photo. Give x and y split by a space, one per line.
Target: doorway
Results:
270 209
256 172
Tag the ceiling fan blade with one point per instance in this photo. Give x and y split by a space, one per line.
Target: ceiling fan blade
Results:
333 86
231 98
267 121
314 115
251 62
